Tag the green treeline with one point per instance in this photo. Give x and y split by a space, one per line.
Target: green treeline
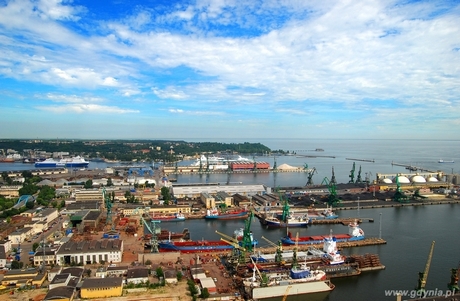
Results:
128 150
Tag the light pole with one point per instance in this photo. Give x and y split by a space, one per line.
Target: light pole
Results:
380 227
358 206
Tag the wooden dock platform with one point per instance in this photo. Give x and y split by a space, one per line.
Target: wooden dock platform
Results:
340 245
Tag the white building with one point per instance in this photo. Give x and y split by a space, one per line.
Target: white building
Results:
89 252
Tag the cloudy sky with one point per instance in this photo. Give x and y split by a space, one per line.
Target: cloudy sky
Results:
229 69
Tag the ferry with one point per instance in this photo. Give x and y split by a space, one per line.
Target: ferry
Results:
69 162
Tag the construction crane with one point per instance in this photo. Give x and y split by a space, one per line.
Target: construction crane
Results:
311 172
352 174
333 200
423 276
279 250
453 284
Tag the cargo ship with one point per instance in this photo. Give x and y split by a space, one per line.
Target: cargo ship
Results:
194 246
355 233
229 214
177 217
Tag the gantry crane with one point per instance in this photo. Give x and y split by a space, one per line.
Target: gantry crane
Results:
311 172
423 276
453 284
352 174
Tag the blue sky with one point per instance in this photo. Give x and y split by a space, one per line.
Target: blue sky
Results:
229 69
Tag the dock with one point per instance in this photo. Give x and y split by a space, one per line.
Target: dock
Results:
372 241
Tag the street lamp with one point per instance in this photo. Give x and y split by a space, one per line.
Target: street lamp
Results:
358 206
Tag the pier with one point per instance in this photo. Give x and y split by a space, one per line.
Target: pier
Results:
413 168
341 245
362 160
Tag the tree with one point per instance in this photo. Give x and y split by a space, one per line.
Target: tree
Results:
159 272
204 293
88 184
16 265
165 194
109 182
35 246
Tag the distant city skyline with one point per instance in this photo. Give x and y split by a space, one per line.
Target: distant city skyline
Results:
229 69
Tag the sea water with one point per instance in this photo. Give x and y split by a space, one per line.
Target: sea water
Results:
408 231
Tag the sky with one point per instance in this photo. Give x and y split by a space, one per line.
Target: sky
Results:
158 69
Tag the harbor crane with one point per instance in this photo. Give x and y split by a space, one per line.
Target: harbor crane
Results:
453 284
352 174
423 276
108 207
239 253
153 229
358 178
333 200
279 250
399 195
311 172
333 180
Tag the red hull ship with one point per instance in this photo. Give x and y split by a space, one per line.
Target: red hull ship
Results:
230 214
194 246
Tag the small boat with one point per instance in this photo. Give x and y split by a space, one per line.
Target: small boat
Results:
445 161
214 213
194 246
176 217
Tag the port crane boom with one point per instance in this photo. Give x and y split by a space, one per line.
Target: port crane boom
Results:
424 275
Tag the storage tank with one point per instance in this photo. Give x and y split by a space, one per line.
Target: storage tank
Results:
418 179
402 180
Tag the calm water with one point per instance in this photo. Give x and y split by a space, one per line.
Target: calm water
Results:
408 231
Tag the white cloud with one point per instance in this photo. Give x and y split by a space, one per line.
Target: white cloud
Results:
81 108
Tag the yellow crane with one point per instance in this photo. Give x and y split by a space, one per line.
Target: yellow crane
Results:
279 250
424 275
286 293
227 237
